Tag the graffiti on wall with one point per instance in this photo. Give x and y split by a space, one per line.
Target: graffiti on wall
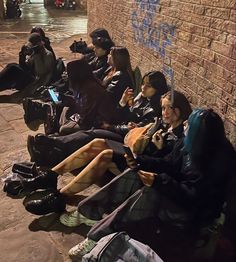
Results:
154 36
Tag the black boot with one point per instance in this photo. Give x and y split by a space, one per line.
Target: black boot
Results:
45 180
25 169
53 202
34 111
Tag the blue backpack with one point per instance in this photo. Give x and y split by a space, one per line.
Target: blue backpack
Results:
119 247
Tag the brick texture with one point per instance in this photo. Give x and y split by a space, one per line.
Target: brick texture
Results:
192 41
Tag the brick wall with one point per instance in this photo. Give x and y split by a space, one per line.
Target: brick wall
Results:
192 41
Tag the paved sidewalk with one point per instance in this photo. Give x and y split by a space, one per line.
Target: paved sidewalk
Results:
25 237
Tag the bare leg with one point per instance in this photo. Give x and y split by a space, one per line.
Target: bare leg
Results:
91 173
81 157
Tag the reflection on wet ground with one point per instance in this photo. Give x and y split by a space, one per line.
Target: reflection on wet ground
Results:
58 23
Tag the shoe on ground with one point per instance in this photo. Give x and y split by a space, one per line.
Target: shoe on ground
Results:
46 179
54 202
74 219
34 110
84 247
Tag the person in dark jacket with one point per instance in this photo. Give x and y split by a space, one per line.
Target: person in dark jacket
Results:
100 64
184 191
120 75
36 65
142 112
89 105
98 32
45 39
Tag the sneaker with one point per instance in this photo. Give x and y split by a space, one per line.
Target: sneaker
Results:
82 248
74 219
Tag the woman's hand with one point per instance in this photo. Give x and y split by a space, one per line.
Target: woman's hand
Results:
127 95
131 163
147 177
131 125
157 139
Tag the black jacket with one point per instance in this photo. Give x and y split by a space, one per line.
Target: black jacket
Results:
117 85
92 104
202 191
141 113
99 66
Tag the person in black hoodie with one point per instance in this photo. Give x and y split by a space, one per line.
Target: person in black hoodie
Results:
145 108
87 107
183 192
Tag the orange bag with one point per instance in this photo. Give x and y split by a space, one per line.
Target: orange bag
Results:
137 140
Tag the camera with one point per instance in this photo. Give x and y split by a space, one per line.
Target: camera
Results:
26 50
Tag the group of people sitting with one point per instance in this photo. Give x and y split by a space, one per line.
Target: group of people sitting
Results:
161 166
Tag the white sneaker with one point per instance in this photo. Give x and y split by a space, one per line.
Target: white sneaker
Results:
82 248
74 219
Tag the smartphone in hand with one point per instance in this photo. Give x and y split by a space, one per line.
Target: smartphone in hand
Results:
129 153
54 96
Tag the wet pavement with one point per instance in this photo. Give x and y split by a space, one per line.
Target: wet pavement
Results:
25 237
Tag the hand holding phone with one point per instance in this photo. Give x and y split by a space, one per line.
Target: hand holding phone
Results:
131 161
54 96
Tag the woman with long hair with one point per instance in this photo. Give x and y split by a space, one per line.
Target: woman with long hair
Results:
120 74
183 192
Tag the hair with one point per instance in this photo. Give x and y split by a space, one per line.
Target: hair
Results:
121 60
79 72
35 39
158 81
100 32
103 43
179 101
38 30
206 134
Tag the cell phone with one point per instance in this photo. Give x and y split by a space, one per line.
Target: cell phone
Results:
54 96
130 154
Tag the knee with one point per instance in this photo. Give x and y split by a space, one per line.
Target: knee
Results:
105 154
97 142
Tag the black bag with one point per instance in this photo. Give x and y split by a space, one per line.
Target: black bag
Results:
79 47
13 185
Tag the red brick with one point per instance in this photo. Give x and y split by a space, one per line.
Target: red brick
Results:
220 48
233 15
230 27
201 41
217 12
219 3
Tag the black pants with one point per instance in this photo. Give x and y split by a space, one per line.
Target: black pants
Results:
55 149
13 76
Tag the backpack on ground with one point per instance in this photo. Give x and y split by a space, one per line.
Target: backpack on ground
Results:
120 247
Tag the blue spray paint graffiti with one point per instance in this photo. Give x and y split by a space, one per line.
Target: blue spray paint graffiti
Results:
147 33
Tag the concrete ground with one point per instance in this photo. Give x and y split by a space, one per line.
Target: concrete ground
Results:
25 237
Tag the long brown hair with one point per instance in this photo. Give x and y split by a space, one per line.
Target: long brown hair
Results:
121 60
